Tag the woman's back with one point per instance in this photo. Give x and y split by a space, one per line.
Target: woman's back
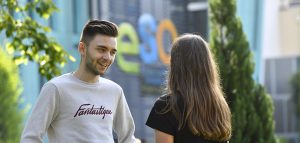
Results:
195 109
166 122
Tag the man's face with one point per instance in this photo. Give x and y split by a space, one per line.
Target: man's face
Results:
100 54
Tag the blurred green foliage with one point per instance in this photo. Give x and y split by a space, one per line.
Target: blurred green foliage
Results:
11 116
283 140
295 83
27 39
252 108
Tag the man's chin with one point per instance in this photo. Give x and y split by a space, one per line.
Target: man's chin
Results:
101 73
96 73
101 70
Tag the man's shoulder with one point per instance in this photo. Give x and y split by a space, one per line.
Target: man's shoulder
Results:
62 79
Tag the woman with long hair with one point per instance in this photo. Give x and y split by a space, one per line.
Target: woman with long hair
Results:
194 109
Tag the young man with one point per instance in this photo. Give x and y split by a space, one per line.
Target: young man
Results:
82 106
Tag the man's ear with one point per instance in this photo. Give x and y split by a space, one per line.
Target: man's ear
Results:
82 48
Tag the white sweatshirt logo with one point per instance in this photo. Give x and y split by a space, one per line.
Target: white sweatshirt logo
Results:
88 109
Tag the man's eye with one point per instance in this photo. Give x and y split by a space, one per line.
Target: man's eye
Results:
112 53
101 50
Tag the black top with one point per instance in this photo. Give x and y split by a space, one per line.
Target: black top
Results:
167 123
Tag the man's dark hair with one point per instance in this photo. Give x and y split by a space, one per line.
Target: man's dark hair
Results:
94 27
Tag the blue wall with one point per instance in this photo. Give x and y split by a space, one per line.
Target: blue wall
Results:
251 12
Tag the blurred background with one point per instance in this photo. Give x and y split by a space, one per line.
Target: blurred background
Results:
147 28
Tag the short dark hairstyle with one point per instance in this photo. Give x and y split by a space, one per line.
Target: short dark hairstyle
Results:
94 27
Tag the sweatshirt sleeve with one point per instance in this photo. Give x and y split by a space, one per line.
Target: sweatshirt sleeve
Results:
42 115
123 122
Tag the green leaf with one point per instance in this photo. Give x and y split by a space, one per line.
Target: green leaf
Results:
62 64
57 47
10 49
47 29
43 62
72 58
17 9
45 15
36 57
19 60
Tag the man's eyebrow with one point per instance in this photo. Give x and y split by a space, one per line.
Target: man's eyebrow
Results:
102 46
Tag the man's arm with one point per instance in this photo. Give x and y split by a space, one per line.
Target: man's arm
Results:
42 115
123 122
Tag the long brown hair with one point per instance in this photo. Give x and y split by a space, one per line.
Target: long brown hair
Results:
193 80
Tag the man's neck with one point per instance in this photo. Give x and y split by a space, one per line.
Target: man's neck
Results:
86 76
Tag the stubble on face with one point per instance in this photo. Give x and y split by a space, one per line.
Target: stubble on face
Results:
90 67
97 60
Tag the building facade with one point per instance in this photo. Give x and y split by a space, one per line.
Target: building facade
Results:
281 54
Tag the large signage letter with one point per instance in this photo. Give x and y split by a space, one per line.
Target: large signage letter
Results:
127 48
147 29
168 26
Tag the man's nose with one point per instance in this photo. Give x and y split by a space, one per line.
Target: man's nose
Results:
107 56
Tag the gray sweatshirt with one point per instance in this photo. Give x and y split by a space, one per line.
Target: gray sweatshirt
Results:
71 110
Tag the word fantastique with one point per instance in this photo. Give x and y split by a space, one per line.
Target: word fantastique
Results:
88 109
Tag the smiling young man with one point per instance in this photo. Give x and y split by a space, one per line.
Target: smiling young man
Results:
82 106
